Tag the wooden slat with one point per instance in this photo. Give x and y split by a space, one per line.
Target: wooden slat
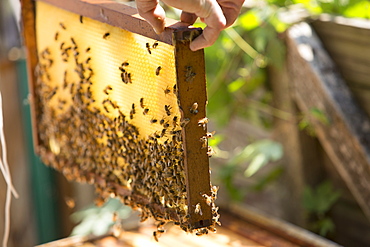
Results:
347 42
118 15
353 70
29 37
281 232
191 81
317 84
353 30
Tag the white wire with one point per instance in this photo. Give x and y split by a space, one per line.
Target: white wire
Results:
4 167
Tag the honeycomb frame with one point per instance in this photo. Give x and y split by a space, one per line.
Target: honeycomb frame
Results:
191 87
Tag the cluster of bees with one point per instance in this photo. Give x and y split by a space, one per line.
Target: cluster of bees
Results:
101 146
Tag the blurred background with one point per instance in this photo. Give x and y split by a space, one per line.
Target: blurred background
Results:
267 155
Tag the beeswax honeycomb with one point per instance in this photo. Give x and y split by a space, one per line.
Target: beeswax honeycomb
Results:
108 114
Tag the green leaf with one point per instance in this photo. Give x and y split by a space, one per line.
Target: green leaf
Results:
272 176
216 140
324 226
249 20
359 10
259 153
320 200
259 161
309 202
236 85
326 197
98 220
320 116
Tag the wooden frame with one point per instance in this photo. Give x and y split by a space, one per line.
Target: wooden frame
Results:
176 34
346 136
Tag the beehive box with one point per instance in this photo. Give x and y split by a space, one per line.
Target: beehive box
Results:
116 105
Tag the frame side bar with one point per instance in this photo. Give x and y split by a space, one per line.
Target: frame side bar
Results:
191 82
28 23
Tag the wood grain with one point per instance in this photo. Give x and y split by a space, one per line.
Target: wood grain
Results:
317 84
192 89
118 15
29 37
347 42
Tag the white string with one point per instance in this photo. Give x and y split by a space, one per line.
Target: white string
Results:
4 167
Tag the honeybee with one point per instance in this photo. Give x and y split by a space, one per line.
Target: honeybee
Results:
142 103
65 82
163 132
148 48
204 141
125 64
194 108
56 36
167 109
201 232
73 41
155 45
189 74
210 151
146 110
184 122
81 19
129 78
175 120
210 134
107 88
158 70
208 199
88 49
153 120
167 90
203 122
155 233
214 189
133 108
106 35
62 25
198 209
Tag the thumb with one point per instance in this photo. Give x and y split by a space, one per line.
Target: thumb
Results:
153 13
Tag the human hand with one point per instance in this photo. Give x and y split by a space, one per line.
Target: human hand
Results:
216 14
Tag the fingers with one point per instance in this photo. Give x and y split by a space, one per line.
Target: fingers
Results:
216 22
207 38
188 17
216 14
153 13
231 10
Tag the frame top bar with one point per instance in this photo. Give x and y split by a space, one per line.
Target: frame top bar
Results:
122 16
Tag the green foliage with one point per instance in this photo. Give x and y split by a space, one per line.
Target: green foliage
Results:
98 220
270 177
314 114
318 202
346 8
257 154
